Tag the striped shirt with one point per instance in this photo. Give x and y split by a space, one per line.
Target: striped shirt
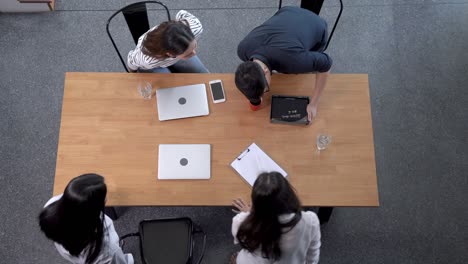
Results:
137 60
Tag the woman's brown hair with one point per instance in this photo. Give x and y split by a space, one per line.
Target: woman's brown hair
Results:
172 37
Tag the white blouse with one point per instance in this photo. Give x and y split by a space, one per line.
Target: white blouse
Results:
137 60
298 246
110 251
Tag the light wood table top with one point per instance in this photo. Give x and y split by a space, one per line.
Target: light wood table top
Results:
109 129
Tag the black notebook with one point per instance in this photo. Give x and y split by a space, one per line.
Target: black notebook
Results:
289 109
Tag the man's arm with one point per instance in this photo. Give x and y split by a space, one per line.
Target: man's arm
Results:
313 61
304 62
307 62
320 83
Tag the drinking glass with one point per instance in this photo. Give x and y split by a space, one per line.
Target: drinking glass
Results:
323 141
145 89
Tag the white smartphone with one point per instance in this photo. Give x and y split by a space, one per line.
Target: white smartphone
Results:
217 91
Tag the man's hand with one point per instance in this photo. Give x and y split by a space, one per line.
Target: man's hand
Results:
320 82
311 112
240 205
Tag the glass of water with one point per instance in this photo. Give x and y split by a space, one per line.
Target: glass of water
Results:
145 89
323 141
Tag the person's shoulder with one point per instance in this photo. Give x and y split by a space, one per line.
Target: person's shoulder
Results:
149 30
53 199
190 20
296 11
250 44
108 221
311 218
240 217
244 44
184 14
181 13
292 8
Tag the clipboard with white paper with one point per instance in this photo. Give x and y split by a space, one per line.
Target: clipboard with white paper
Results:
252 162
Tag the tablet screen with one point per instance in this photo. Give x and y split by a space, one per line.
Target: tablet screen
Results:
289 109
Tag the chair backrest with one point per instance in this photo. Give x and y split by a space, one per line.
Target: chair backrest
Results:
312 5
166 240
136 16
315 6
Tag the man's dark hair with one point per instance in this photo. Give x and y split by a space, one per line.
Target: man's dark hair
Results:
250 80
272 196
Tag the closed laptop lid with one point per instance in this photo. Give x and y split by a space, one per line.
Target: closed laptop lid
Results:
184 161
182 102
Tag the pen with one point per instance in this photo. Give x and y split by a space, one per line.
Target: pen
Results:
245 153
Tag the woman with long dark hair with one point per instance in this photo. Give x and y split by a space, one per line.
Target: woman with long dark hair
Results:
275 229
169 47
76 222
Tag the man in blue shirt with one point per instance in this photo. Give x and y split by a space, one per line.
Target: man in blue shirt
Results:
291 41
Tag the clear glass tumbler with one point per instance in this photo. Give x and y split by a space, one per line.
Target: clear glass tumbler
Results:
145 89
323 141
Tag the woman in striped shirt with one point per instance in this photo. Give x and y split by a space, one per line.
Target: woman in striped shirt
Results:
169 47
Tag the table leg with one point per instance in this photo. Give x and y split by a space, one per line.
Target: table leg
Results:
111 212
324 214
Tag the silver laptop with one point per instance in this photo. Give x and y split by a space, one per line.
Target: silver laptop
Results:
184 161
182 102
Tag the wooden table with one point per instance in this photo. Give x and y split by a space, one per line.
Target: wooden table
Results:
109 129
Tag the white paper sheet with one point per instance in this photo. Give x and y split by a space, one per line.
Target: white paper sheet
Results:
252 162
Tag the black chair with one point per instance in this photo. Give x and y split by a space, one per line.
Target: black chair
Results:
315 6
168 241
136 16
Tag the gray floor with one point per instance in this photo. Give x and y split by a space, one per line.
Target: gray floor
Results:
414 51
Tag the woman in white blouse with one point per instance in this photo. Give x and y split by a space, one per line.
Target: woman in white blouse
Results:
76 222
275 229
169 47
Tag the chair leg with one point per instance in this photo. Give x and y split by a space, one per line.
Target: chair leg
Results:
111 212
137 21
202 253
312 5
324 214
